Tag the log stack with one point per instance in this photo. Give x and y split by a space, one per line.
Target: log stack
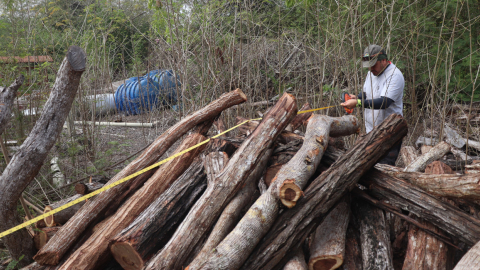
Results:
277 199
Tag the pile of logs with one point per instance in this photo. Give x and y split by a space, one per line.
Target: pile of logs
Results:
272 197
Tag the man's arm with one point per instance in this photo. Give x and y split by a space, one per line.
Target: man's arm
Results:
376 103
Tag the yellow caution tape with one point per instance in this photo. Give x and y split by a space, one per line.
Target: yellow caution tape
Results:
123 180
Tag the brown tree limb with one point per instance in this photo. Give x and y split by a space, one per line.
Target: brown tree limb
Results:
422 161
297 262
66 237
26 163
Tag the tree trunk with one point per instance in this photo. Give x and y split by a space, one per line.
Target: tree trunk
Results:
353 253
43 235
293 226
242 164
297 262
26 163
95 250
374 237
401 194
7 96
84 189
33 266
63 216
408 154
435 153
287 186
152 228
327 250
66 237
229 218
470 260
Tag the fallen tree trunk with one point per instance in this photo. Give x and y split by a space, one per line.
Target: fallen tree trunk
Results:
243 163
401 194
7 96
374 238
26 163
327 250
293 226
301 119
151 229
63 216
66 237
43 235
435 153
470 260
286 187
353 253
229 217
84 189
95 250
297 262
408 154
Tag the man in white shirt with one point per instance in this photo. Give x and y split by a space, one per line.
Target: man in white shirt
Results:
382 94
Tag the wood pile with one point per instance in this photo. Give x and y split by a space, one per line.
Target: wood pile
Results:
273 197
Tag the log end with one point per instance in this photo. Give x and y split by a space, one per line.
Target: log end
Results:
127 256
49 221
77 58
290 193
47 258
241 94
81 189
325 263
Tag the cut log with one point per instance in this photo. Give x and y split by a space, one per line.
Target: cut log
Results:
438 167
286 187
242 164
353 253
374 237
230 217
470 260
473 169
425 149
26 163
297 262
435 153
43 235
63 216
151 229
7 95
95 250
327 250
293 226
66 237
402 194
408 154
301 119
84 189
425 251
247 129
33 266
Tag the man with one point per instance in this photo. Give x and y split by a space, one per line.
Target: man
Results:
382 94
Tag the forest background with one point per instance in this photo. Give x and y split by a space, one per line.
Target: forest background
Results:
309 48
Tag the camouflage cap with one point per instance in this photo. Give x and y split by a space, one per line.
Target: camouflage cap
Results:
372 54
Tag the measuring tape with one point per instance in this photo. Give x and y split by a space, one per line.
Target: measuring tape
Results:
123 180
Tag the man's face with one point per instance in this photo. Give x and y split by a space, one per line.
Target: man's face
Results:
378 67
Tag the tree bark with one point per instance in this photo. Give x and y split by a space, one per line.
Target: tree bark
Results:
374 237
33 266
401 194
470 260
242 164
408 154
66 237
438 167
84 189
327 250
293 226
353 253
26 163
287 186
297 262
63 216
301 119
95 250
435 153
151 229
229 217
43 235
7 96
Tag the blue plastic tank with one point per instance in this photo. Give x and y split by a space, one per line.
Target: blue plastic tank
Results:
141 94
